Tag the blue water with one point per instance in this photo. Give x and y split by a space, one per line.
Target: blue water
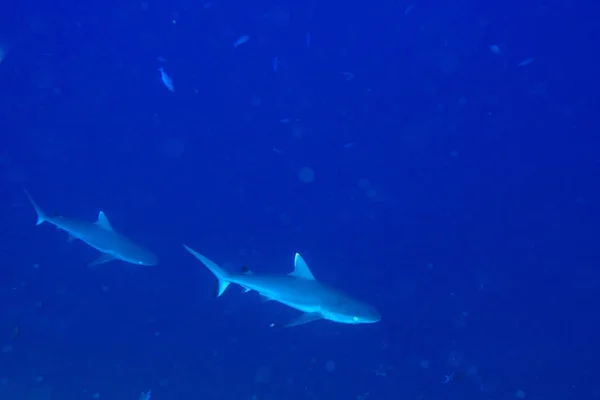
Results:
440 162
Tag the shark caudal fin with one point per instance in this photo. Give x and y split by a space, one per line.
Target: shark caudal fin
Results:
41 216
219 273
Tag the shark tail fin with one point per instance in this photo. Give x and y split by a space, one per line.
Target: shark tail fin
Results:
219 273
41 216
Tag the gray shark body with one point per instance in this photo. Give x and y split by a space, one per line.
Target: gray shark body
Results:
101 236
298 290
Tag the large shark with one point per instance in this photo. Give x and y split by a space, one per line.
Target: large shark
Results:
101 236
299 290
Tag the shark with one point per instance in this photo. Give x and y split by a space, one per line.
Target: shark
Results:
298 290
101 236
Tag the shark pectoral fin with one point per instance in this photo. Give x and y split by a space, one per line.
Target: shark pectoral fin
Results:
41 217
104 258
220 287
103 222
304 319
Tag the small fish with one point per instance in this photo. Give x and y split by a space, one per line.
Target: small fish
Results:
166 79
145 396
307 39
241 40
275 63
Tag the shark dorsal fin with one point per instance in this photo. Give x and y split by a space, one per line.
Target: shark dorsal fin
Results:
301 270
103 222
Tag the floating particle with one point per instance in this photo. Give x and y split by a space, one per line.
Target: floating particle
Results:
448 378
279 16
471 370
424 364
285 219
380 371
3 51
306 175
262 375
364 184
241 40
330 366
495 49
454 359
255 101
36 266
173 147
525 62
7 348
145 396
275 63
348 75
520 394
308 38
168 82
297 132
96 396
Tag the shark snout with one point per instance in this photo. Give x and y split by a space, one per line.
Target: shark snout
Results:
145 258
368 315
372 317
150 260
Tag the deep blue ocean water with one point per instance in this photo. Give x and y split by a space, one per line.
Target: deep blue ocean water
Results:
437 159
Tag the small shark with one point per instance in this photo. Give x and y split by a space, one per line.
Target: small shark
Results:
299 290
101 236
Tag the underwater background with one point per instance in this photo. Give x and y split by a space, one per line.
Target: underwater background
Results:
437 159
